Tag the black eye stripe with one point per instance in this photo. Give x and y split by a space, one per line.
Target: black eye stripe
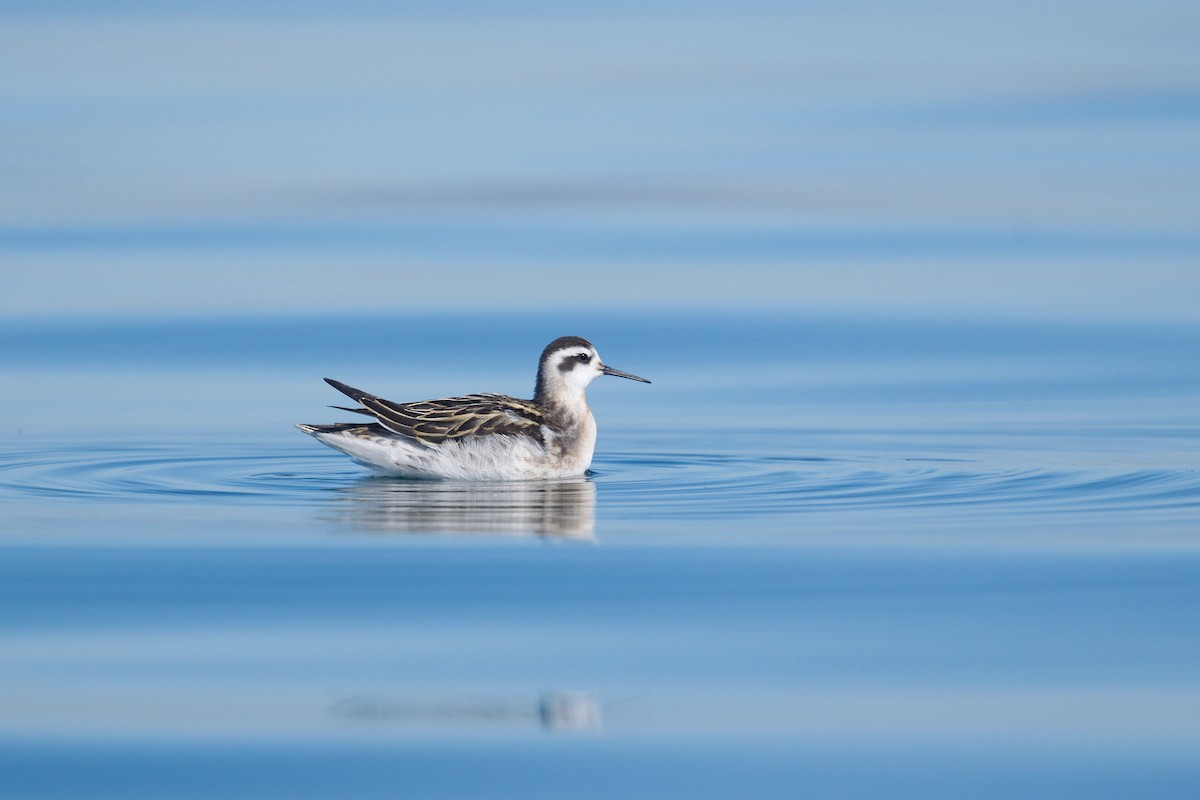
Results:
570 362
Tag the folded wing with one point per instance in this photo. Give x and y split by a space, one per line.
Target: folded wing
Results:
432 422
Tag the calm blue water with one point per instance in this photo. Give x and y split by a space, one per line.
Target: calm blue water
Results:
911 509
841 556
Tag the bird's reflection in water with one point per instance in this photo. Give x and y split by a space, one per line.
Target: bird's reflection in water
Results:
557 711
564 508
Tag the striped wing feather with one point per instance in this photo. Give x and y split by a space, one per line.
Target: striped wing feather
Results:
435 421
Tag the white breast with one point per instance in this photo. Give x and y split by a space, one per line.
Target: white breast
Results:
474 458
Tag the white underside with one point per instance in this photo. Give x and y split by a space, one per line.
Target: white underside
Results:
478 458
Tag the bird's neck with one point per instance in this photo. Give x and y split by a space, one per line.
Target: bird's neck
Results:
566 407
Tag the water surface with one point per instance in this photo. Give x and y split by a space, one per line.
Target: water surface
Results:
901 558
911 507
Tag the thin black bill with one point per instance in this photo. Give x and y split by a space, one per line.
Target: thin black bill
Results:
607 370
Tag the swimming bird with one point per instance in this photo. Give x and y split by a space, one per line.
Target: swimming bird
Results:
482 436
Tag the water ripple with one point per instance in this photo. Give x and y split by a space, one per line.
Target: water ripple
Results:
672 483
130 473
706 485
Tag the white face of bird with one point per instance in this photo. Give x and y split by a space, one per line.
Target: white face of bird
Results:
577 366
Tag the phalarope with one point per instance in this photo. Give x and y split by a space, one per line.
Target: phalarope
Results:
482 436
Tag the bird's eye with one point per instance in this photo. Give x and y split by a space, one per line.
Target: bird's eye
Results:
584 358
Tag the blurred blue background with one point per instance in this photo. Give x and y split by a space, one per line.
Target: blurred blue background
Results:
925 158
910 509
